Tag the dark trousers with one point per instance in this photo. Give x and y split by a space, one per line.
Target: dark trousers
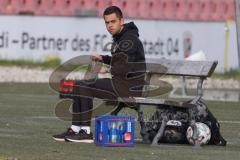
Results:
103 89
83 103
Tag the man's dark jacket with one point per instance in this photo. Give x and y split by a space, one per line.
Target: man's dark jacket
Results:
127 48
125 43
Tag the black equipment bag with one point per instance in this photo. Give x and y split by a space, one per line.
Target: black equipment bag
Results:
178 120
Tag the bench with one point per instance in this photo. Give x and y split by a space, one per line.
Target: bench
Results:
197 69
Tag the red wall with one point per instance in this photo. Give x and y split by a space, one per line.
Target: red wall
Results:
190 10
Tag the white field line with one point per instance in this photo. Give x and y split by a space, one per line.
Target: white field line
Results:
44 117
230 122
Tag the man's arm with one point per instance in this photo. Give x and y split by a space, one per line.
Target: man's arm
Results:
102 58
106 59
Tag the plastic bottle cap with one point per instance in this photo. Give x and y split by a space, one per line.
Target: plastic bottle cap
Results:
127 136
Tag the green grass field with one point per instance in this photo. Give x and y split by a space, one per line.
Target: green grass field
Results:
27 122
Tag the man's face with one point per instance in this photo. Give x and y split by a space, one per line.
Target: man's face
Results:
113 24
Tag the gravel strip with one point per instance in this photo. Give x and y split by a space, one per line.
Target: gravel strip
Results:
39 75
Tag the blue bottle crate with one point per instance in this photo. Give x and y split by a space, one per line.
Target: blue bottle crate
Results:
115 131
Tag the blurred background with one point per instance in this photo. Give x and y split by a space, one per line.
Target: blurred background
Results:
46 33
36 36
42 29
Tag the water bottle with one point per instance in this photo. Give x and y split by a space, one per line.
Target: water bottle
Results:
113 132
100 136
121 131
128 134
91 74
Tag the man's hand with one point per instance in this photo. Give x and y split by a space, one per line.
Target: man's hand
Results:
103 69
96 57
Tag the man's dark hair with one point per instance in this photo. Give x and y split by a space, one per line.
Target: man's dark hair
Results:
113 9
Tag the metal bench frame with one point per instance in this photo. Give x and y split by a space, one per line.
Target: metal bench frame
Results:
198 69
